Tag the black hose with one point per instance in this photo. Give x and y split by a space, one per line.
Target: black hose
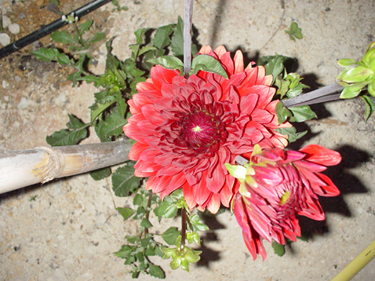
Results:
48 29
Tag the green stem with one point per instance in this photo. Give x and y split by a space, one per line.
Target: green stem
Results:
81 42
148 209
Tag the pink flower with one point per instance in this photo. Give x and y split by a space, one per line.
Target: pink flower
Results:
186 129
277 185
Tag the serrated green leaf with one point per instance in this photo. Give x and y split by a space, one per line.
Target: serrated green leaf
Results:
74 122
177 42
291 133
209 64
282 112
67 137
125 251
162 39
369 106
145 223
123 180
74 77
85 26
111 126
98 108
98 36
168 62
156 271
301 113
170 235
63 59
275 66
101 173
197 223
145 242
45 54
278 248
125 212
63 37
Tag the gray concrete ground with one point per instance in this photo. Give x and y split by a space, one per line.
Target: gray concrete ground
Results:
72 228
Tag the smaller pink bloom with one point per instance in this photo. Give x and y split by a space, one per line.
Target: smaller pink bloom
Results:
276 186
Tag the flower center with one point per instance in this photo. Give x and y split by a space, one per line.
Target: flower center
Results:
202 131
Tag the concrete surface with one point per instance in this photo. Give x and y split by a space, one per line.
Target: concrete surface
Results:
72 228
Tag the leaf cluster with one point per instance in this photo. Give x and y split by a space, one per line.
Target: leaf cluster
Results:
288 86
294 31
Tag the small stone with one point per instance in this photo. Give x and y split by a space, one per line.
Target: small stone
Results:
14 28
6 21
4 39
5 84
17 78
24 103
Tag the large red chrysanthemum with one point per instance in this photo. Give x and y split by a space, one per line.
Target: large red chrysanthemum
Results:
187 128
276 186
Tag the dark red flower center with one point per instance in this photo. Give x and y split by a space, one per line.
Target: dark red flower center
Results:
202 131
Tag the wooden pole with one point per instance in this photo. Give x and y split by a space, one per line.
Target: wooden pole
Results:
20 168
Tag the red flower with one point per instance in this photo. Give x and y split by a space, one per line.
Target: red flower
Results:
276 186
186 129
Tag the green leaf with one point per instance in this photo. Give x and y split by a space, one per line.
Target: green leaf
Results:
369 106
168 62
170 235
45 54
125 251
123 180
209 64
146 49
145 223
111 126
101 173
301 113
167 208
294 31
125 212
156 271
97 37
76 132
278 248
282 112
162 39
292 133
197 224
85 26
346 62
177 42
139 34
63 37
99 107
63 59
275 66
138 200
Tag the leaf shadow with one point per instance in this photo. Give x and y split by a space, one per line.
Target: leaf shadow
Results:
209 255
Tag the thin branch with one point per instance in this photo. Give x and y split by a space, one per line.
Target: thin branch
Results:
188 14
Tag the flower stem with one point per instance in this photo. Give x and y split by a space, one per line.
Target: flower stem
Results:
188 14
323 94
183 228
148 208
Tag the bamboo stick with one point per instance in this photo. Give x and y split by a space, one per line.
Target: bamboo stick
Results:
20 168
357 264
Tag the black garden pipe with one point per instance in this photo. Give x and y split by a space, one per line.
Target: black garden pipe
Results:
48 29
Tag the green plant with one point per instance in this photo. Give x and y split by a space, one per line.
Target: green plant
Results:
294 31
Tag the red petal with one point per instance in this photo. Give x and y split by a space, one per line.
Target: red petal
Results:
136 150
321 155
